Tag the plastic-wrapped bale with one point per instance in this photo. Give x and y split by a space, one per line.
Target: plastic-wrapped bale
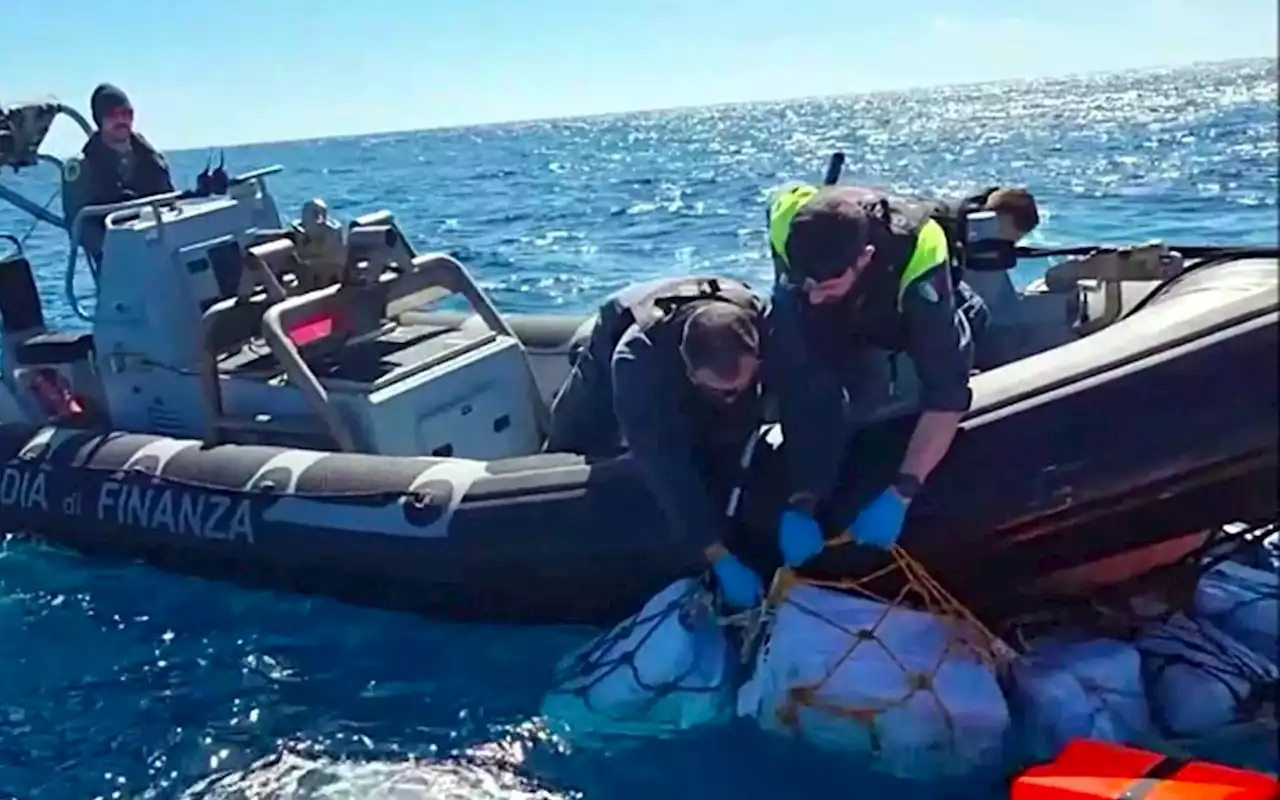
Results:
667 667
1243 602
1066 687
915 692
1200 682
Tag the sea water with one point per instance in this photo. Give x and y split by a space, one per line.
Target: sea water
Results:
119 681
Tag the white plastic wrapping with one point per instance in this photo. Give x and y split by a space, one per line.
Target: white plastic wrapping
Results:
669 666
1243 602
856 675
1199 680
1064 688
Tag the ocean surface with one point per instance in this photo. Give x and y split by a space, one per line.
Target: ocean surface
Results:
119 681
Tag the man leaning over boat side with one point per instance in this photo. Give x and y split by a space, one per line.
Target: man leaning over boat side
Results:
673 369
117 163
862 274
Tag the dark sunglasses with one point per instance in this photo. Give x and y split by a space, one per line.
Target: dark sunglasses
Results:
722 394
725 395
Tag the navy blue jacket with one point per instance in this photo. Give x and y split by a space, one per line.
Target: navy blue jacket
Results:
677 438
810 389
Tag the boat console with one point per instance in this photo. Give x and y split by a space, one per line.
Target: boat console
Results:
214 320
271 337
358 379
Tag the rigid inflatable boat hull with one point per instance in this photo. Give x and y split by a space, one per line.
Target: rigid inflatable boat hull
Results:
1072 467
1098 479
541 539
460 539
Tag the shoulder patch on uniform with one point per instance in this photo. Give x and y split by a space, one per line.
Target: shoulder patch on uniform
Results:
926 290
71 169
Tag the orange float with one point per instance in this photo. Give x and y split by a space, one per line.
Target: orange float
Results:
1093 770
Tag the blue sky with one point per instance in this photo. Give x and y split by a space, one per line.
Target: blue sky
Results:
230 71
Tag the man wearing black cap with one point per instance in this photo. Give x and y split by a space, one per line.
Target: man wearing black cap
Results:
861 272
673 368
117 163
1015 210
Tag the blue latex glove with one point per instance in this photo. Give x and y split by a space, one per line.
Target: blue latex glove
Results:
739 584
799 537
879 523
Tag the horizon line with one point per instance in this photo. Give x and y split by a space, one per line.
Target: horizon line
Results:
1076 75
724 103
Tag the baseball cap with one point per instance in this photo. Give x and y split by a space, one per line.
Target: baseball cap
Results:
827 234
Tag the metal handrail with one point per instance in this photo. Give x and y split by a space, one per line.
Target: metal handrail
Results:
107 209
77 229
430 277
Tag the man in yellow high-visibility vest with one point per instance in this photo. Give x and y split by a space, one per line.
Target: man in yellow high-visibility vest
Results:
861 271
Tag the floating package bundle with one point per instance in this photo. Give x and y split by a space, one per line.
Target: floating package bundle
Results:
915 692
669 666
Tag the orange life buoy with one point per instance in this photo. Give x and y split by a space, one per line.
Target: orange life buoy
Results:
1091 770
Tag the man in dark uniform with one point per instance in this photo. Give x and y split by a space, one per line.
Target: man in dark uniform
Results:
862 274
1015 210
672 372
1012 213
117 163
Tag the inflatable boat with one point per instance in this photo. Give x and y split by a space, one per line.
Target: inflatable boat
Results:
319 408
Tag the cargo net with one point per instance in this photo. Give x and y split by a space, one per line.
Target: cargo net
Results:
1120 610
1202 639
1210 649
907 680
669 666
1202 683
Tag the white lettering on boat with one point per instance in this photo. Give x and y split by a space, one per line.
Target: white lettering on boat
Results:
176 510
23 489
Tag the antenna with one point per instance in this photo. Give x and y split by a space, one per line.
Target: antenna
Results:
834 167
202 179
219 178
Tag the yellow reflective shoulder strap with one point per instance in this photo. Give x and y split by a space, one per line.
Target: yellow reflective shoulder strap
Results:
931 250
782 210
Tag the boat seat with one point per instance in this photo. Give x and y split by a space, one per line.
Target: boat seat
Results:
345 314
349 314
54 348
232 323
376 240
247 281
234 320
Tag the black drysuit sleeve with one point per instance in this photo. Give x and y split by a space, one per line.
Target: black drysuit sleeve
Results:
810 400
645 392
938 342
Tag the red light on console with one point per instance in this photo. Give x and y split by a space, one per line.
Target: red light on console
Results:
311 330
